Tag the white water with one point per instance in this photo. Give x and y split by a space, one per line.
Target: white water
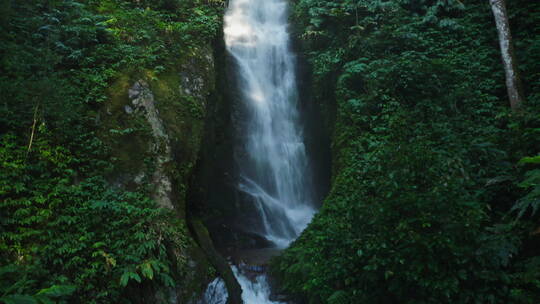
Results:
253 292
274 169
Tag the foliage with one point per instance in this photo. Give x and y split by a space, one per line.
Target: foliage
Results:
67 233
53 294
531 184
428 203
63 229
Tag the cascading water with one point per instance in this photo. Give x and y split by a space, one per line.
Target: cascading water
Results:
254 291
274 171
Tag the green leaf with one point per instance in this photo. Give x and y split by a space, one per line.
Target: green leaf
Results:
44 299
18 299
338 297
7 269
530 160
124 279
128 275
58 291
135 276
98 244
167 279
147 271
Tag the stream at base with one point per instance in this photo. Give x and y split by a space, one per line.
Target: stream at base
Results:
255 290
250 273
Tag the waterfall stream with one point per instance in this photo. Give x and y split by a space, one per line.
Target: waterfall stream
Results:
273 166
274 170
254 291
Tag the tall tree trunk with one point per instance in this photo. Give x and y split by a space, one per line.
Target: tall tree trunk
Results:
513 84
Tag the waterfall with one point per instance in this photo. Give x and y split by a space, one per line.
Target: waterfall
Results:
273 166
254 291
274 170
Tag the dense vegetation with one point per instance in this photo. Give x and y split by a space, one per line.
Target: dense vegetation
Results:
436 182
67 233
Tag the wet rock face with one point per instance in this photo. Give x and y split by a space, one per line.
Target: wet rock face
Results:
136 90
192 77
142 100
154 125
192 86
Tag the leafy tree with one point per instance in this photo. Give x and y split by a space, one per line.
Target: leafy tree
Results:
426 185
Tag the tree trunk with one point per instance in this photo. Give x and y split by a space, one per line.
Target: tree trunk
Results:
513 83
203 238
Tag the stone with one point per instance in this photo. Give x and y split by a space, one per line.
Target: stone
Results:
139 178
142 99
135 91
128 109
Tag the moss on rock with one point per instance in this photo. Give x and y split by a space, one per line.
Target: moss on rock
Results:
153 125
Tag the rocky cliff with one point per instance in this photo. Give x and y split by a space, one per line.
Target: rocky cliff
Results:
160 120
